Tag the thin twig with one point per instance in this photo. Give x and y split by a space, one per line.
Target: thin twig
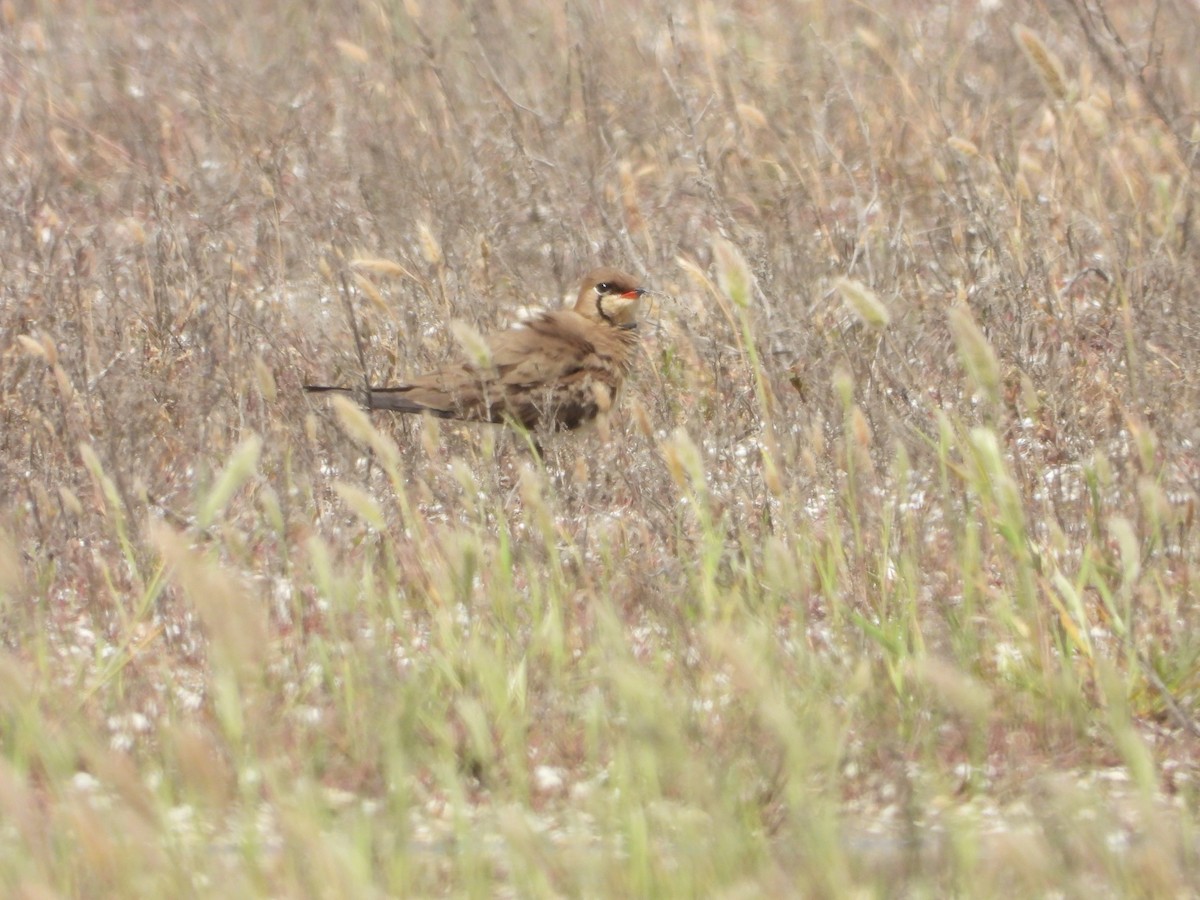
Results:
358 344
724 220
1173 707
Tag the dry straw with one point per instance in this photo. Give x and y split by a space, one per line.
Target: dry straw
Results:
1049 68
977 355
864 302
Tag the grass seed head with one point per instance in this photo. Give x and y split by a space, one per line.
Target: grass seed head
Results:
864 303
1049 68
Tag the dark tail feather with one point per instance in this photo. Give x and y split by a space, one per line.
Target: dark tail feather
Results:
393 398
397 400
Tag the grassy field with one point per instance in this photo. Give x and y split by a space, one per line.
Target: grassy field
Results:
881 585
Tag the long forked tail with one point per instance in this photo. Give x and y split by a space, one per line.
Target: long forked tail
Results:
395 399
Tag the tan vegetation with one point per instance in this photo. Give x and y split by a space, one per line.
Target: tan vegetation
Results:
881 582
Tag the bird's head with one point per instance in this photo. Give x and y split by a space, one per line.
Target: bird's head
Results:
610 296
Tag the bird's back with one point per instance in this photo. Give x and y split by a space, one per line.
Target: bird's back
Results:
558 370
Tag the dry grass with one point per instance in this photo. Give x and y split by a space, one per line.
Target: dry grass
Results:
884 584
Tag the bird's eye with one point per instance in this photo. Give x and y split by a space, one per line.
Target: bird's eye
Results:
604 287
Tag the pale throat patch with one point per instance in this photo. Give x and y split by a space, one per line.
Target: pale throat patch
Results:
620 309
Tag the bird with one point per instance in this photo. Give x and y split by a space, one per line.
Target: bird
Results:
560 370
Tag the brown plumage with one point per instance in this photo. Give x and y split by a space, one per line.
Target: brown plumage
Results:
559 370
